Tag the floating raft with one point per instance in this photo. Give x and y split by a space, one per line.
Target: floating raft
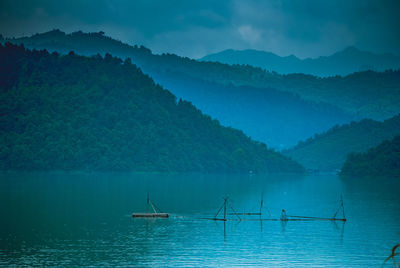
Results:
308 218
156 214
284 219
150 215
271 219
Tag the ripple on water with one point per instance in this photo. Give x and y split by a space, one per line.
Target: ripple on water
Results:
64 231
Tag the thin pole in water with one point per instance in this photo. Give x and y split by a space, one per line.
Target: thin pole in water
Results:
341 206
341 199
234 212
216 215
147 205
225 200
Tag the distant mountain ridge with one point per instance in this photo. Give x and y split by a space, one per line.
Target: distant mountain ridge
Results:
328 151
343 62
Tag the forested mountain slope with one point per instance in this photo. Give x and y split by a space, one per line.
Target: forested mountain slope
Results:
380 161
278 118
78 113
365 94
328 151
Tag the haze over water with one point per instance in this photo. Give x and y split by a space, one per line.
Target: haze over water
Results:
76 219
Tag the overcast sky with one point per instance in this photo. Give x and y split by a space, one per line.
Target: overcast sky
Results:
195 28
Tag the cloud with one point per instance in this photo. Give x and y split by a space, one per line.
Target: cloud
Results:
306 28
249 34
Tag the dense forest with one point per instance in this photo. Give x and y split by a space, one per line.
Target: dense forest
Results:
343 62
383 160
70 112
366 94
259 112
327 151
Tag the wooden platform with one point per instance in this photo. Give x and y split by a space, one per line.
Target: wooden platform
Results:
156 214
150 215
283 218
271 219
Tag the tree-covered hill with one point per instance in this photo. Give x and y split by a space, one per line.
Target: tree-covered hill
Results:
328 151
366 94
382 161
77 113
228 93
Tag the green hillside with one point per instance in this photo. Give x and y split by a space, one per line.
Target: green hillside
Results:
383 160
78 113
280 119
367 94
328 151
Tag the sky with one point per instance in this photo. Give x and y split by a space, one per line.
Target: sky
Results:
305 28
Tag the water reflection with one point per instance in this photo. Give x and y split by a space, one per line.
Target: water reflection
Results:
69 219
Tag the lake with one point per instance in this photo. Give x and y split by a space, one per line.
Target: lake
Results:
73 219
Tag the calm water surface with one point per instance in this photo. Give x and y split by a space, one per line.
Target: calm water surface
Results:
73 219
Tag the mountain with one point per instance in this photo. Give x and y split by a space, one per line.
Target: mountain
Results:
287 108
367 94
328 151
277 118
258 111
380 161
344 62
257 58
78 113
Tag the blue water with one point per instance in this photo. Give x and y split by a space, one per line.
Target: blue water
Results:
84 219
